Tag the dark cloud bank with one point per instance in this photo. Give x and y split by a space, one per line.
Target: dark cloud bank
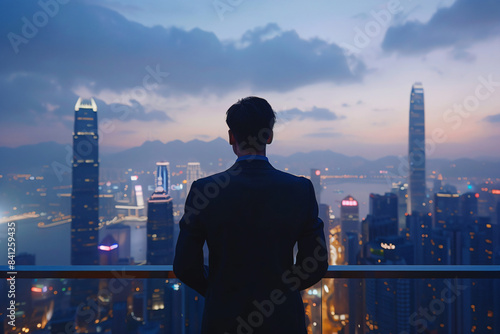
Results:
459 26
48 51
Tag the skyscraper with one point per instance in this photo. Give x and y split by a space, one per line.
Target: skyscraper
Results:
84 204
85 192
349 220
385 205
163 170
446 209
382 220
468 206
160 249
416 151
349 213
160 226
193 173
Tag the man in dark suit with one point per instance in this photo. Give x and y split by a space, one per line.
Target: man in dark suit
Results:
251 216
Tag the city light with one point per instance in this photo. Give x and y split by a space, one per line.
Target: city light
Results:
349 203
108 248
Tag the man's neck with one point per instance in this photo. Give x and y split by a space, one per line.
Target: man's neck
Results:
241 153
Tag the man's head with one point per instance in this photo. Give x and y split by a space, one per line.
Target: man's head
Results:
251 121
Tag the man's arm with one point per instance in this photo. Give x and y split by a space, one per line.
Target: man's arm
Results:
312 256
188 261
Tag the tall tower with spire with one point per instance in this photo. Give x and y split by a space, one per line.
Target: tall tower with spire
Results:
85 181
160 226
416 151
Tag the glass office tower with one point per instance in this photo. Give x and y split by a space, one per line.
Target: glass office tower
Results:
416 151
85 191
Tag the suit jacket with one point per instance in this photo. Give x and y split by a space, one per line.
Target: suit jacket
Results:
251 216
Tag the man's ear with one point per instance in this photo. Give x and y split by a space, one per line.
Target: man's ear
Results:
270 139
232 141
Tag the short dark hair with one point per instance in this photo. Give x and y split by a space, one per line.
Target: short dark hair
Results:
251 120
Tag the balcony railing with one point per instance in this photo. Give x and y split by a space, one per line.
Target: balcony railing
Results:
397 299
347 271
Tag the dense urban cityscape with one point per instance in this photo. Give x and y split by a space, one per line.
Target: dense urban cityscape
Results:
111 111
128 217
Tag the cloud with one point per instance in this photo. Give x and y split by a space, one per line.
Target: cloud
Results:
33 99
95 49
132 111
492 118
316 114
94 46
459 26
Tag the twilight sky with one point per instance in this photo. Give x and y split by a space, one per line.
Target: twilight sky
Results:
338 74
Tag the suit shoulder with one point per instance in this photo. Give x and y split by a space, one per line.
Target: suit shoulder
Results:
294 178
217 178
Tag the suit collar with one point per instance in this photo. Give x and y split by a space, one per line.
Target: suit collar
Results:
252 157
252 164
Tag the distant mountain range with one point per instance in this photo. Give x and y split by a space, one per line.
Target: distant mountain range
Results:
216 155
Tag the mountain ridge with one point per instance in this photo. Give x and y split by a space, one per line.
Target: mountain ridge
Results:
215 155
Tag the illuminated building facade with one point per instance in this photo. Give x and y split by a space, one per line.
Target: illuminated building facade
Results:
401 190
385 206
388 302
85 191
446 209
163 171
84 202
160 227
416 151
349 217
160 251
468 205
193 173
480 301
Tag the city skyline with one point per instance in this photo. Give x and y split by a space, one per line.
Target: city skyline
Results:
464 230
170 78
103 190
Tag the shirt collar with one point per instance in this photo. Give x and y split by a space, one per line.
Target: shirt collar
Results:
252 157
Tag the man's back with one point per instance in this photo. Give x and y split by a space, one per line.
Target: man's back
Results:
251 216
